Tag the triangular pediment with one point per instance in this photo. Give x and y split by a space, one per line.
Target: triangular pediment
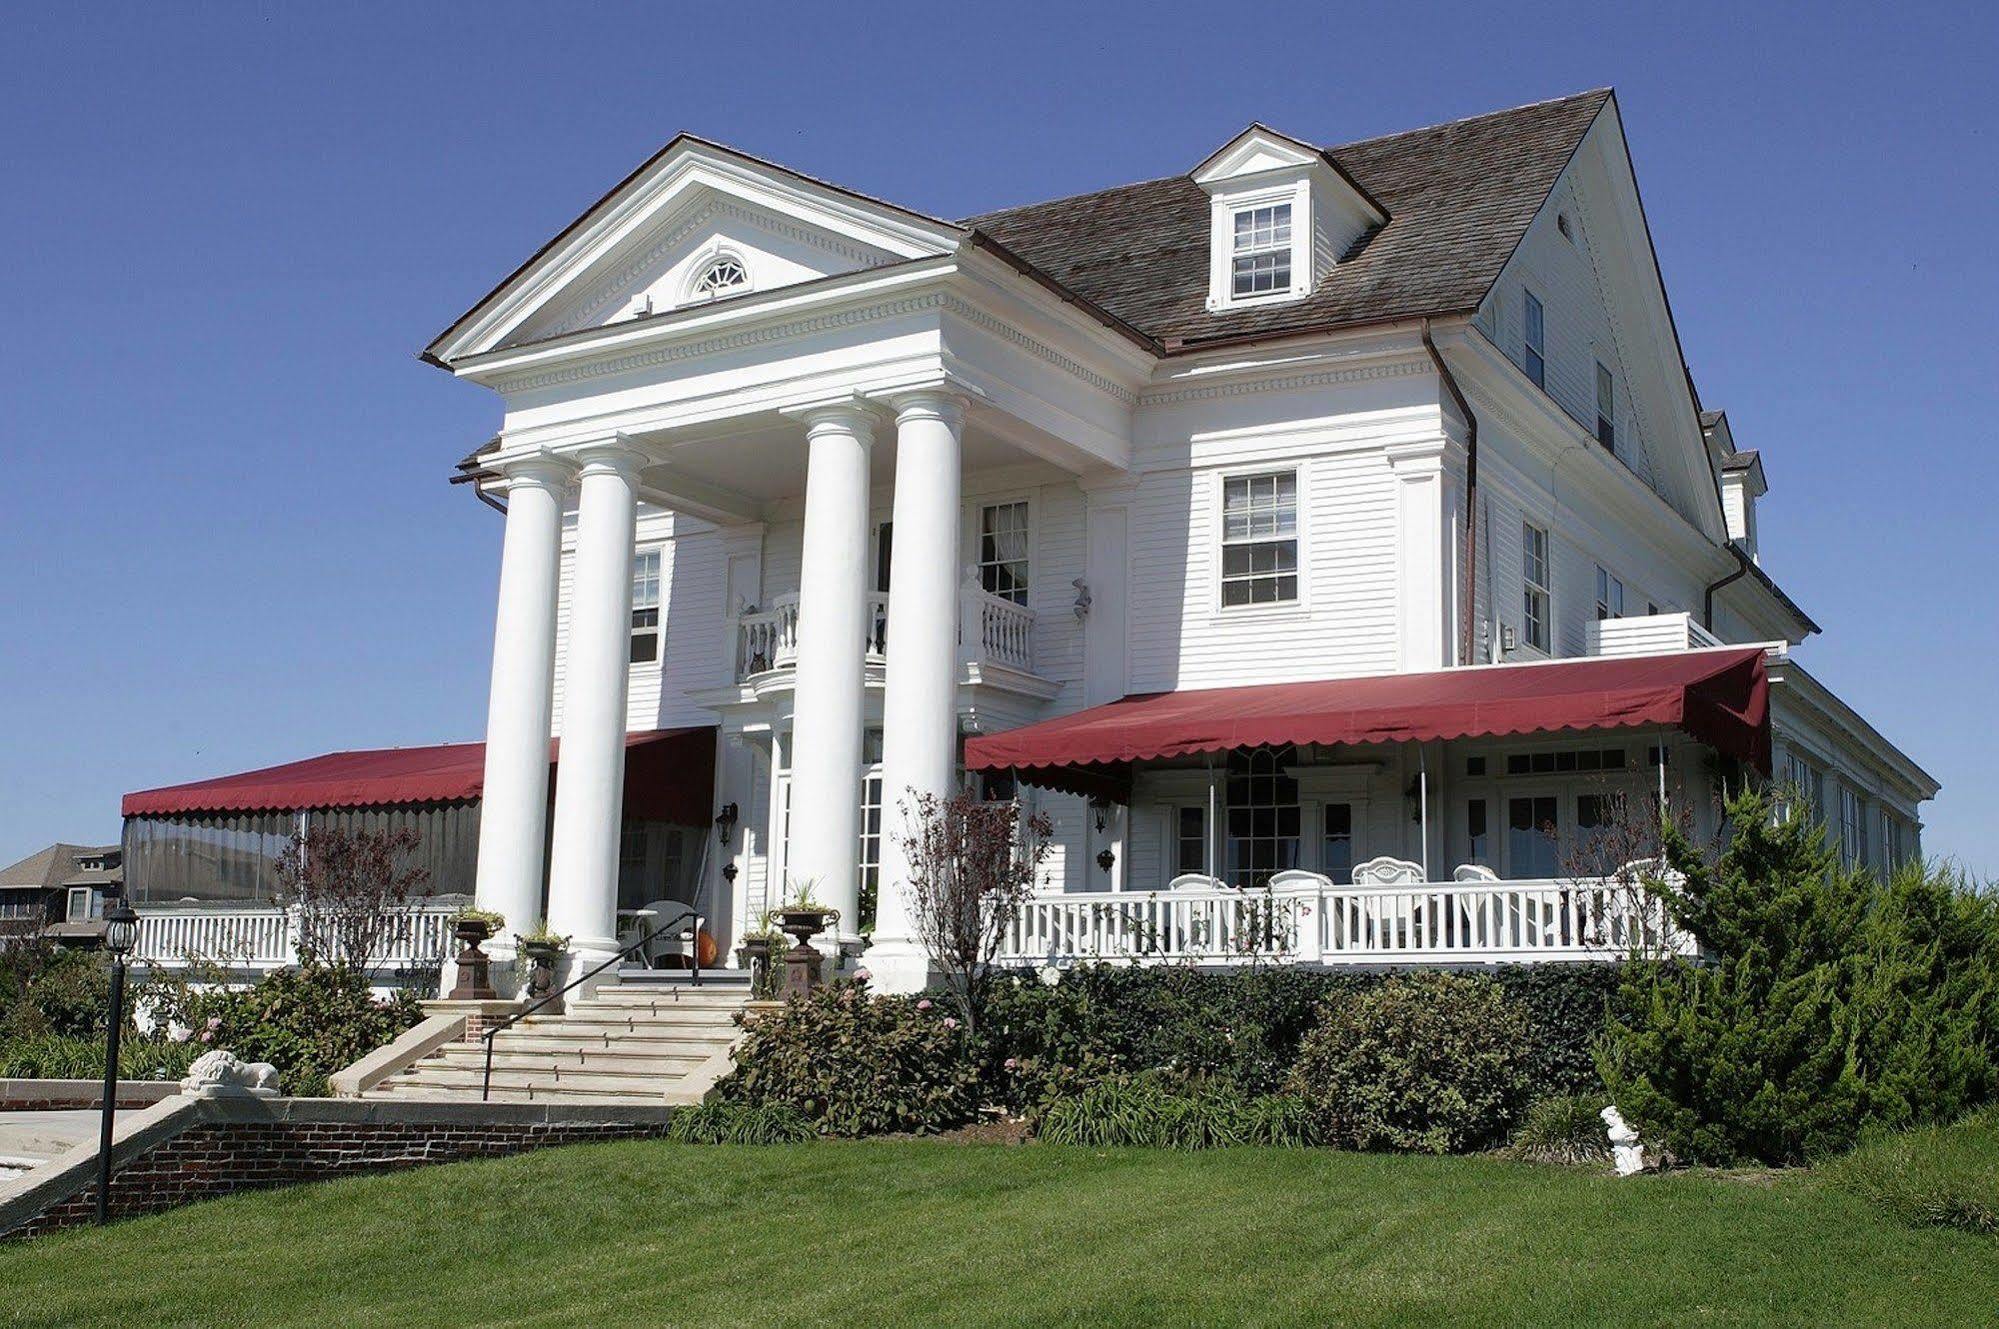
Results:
697 224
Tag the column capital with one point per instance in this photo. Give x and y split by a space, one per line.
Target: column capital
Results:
613 456
947 405
537 471
845 413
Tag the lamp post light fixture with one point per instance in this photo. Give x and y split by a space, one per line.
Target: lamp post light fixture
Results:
121 934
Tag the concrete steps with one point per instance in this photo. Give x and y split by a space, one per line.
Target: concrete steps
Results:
630 1042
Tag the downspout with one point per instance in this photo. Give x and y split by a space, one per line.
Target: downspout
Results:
1465 634
1707 596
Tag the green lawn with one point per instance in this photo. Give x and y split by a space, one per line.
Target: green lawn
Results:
926 1233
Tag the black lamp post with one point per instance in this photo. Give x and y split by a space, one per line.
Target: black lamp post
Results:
121 934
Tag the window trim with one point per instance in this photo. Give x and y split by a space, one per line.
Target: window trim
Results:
1544 588
1606 408
980 506
697 273
1299 471
1609 594
1534 339
657 628
1271 248
1222 209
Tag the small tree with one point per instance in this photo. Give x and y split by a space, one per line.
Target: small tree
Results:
971 866
1623 857
350 892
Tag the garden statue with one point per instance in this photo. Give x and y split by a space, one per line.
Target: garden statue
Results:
222 1074
1624 1147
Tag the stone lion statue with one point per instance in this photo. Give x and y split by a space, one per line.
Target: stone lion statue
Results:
222 1074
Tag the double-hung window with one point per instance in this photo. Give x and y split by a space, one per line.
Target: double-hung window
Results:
1190 840
1260 258
1609 595
645 606
1003 550
1336 849
1606 408
1260 539
1534 586
1535 357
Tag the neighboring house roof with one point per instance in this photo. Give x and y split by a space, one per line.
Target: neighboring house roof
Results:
56 866
1459 197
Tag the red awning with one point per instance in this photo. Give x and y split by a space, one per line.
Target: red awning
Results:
668 775
1720 697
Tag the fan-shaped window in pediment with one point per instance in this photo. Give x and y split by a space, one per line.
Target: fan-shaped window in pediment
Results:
724 275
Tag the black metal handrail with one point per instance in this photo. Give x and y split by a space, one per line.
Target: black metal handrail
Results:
694 954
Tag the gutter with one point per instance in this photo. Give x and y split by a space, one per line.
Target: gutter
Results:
1471 494
1707 596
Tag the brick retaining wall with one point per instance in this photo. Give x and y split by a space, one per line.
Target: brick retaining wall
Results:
197 1149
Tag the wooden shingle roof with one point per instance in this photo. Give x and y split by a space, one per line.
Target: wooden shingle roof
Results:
1459 197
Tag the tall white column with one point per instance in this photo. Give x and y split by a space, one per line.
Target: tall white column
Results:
832 629
1424 560
920 711
513 809
590 772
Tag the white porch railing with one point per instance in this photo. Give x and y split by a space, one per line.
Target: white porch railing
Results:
1309 920
1648 634
262 937
991 630
994 630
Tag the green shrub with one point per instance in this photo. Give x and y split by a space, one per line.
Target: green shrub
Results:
1567 1129
62 1057
1826 1002
1147 1111
1567 1007
1932 1176
723 1122
1424 1061
1042 1042
858 1064
308 1022
57 991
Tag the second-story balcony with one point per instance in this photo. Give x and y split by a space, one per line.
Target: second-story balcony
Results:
995 635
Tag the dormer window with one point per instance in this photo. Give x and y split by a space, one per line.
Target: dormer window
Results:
1282 214
721 277
1261 262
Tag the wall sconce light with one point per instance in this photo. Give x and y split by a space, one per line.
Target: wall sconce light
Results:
1082 597
1101 810
725 822
1105 858
729 873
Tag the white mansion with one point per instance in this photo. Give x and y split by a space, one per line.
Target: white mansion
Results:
1342 521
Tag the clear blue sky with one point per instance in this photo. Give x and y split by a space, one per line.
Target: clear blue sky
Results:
225 531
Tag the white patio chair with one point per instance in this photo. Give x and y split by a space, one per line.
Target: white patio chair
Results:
673 941
1392 925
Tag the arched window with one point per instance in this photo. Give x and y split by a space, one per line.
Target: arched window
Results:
720 277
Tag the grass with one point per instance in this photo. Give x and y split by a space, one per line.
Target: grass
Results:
922 1233
1939 1176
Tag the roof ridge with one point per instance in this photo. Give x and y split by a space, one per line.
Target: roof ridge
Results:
1604 91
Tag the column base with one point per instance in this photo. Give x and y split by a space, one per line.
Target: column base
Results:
897 965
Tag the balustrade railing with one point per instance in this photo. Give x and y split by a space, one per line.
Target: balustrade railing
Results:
1318 922
259 937
991 630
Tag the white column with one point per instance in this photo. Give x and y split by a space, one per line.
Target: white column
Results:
513 809
920 710
590 773
825 845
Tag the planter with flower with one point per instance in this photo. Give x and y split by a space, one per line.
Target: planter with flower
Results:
472 927
541 950
802 918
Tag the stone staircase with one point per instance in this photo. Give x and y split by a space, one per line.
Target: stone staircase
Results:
646 1039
